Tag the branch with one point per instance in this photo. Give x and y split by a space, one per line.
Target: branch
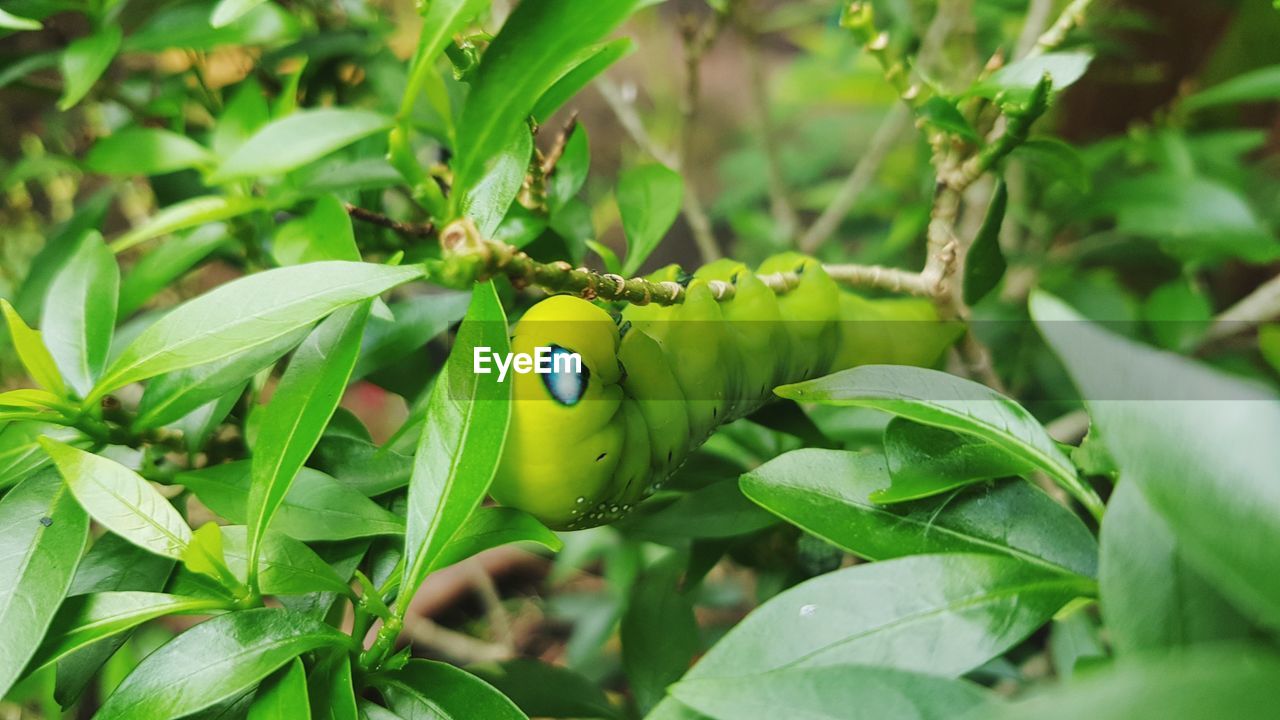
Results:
698 38
1260 306
784 214
1072 17
893 126
413 230
1038 13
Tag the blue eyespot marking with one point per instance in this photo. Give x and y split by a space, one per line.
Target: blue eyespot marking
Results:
565 387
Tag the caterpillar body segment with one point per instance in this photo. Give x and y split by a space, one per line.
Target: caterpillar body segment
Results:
585 447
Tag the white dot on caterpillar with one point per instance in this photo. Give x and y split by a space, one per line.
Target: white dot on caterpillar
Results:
613 509
581 500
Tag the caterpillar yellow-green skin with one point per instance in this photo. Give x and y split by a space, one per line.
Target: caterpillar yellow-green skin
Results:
585 448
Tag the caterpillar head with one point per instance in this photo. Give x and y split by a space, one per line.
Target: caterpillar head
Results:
567 428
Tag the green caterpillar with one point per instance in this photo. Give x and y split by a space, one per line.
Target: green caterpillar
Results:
585 447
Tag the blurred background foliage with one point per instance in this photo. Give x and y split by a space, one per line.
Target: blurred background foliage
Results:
1151 194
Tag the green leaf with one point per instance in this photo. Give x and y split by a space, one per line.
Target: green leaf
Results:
943 115
938 614
361 465
214 661
487 201
187 26
297 139
571 170
316 507
1151 598
332 692
32 352
441 20
294 420
461 444
843 692
10 21
427 689
90 213
1056 161
174 395
825 492
659 632
1269 344
1202 682
42 532
490 527
1193 218
85 619
80 313
543 690
145 151
1178 314
925 460
84 61
187 214
20 451
1075 641
1261 85
538 43
286 566
1176 429
984 264
415 322
935 398
282 696
649 198
168 262
716 511
244 115
113 563
120 500
590 62
228 11
1015 82
323 233
246 313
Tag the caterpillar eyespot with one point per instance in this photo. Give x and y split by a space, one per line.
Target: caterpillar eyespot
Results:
657 381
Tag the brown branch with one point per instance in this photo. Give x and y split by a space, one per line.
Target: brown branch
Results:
784 213
413 230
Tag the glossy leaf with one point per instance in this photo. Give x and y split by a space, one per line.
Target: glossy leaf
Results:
20 451
937 614
246 313
718 510
32 352
80 313
1259 85
293 421
542 690
1175 429
944 115
228 11
315 508
282 696
427 689
186 214
537 45
242 116
9 21
659 632
590 63
1207 682
487 201
649 198
1016 81
984 264
946 401
286 566
168 262
42 533
84 61
322 233
838 692
361 465
925 460
826 492
416 321
145 151
440 22
570 172
85 619
174 395
188 27
331 690
114 564
459 449
120 500
294 140
214 661
491 527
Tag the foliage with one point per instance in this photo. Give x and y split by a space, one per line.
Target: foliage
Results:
206 275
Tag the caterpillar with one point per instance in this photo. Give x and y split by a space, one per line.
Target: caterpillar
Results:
587 444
